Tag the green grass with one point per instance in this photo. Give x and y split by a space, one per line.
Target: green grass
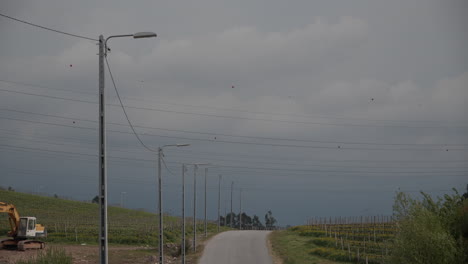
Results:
345 242
293 248
77 222
49 256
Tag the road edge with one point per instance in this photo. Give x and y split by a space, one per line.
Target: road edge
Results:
274 256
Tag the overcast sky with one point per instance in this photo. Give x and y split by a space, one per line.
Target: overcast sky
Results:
313 108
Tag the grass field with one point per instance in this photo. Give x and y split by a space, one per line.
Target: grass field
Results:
77 222
365 242
293 248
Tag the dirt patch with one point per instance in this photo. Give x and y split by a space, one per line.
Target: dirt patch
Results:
89 254
86 254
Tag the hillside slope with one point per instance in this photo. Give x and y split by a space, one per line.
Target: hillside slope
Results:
77 222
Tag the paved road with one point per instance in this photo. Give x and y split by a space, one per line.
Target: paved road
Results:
233 247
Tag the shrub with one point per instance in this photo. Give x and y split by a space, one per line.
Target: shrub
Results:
427 231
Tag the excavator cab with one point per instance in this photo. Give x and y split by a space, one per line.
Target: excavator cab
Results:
27 227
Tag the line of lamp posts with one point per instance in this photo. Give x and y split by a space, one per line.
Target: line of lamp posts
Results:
103 223
184 170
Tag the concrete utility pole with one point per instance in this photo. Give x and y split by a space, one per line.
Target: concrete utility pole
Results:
160 207
240 209
103 245
102 157
195 207
182 246
231 218
206 172
219 202
225 211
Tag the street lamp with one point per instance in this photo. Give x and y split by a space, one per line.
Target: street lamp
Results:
102 144
206 221
161 242
219 202
195 168
182 246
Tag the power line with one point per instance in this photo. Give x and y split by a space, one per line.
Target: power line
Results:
47 28
246 167
256 162
252 143
167 168
48 88
218 154
233 117
243 136
123 108
176 185
50 96
241 110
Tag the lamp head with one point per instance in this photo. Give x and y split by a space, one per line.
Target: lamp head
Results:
144 35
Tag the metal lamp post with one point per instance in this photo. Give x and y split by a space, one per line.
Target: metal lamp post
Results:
102 144
219 202
205 223
196 165
160 207
184 169
182 246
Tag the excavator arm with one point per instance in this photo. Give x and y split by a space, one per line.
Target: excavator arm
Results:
14 217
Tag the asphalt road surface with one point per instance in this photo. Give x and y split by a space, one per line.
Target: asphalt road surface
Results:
233 247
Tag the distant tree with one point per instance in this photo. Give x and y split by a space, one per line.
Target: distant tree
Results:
10 189
56 196
232 217
95 199
256 224
465 195
246 221
270 221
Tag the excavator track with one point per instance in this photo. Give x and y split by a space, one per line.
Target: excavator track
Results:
22 245
30 244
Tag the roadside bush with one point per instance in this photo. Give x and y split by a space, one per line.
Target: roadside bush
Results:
429 231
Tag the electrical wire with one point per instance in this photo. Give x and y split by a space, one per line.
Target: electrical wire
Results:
241 110
252 143
242 167
167 168
238 117
47 28
13 135
311 169
46 87
242 136
123 108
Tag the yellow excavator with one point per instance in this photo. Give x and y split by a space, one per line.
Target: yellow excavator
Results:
24 230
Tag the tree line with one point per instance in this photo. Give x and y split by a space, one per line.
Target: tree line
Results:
244 221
